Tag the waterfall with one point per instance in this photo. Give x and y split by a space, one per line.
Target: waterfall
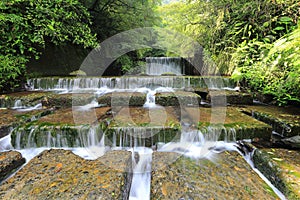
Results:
96 84
140 186
33 137
161 65
18 104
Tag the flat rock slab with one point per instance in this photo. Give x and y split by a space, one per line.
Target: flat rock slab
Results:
11 118
10 161
65 127
75 116
230 177
178 98
144 117
123 99
282 168
284 120
144 126
60 174
221 97
28 98
245 127
48 99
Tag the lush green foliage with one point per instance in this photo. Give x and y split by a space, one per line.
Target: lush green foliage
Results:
254 38
111 17
28 25
278 73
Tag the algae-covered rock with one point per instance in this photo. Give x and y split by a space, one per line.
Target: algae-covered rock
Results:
10 161
60 174
135 126
47 135
123 99
230 97
229 122
178 98
282 168
229 177
12 118
285 121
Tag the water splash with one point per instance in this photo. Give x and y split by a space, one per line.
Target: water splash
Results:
140 186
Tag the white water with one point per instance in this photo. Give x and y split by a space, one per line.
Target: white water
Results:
161 65
150 98
95 84
140 186
248 158
31 108
192 144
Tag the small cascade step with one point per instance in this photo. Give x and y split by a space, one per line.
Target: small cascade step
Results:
123 99
230 122
285 123
11 118
137 126
178 98
128 82
64 128
177 177
163 65
230 97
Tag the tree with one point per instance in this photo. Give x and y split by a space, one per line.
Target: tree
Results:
27 25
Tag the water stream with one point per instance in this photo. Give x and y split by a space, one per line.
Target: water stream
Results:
91 143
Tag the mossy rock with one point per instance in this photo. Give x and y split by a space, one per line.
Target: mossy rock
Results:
230 97
284 120
227 123
282 168
178 98
168 74
229 177
47 135
140 136
10 161
123 99
77 73
60 174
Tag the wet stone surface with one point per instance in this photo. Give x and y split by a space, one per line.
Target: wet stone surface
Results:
230 177
229 97
75 115
59 174
282 168
9 162
123 99
245 127
178 98
12 118
285 121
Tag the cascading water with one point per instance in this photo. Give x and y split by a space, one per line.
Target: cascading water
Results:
88 84
161 65
140 186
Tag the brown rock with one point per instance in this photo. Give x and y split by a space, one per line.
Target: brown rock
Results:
60 174
9 162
